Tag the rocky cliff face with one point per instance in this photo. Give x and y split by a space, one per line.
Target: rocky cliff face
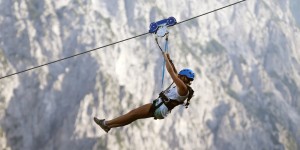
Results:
246 60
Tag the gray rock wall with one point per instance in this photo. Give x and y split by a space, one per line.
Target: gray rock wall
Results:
246 60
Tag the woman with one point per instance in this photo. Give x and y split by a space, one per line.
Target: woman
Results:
160 107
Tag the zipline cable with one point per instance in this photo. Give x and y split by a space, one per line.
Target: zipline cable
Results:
210 12
72 56
115 42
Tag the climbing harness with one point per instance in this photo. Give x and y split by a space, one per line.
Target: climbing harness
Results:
159 29
170 103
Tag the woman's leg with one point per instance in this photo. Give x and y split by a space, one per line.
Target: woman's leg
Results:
138 113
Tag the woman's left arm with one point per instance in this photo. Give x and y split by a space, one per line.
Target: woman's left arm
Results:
171 62
182 88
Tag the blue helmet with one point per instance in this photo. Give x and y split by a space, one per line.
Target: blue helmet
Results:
188 73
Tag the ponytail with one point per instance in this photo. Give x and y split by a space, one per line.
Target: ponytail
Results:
191 94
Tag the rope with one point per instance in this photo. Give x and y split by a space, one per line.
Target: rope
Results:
164 63
114 42
158 45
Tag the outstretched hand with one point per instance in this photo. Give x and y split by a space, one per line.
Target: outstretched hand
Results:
168 56
165 54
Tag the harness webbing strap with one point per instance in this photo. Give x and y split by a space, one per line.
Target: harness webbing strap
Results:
154 107
157 106
170 103
164 63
